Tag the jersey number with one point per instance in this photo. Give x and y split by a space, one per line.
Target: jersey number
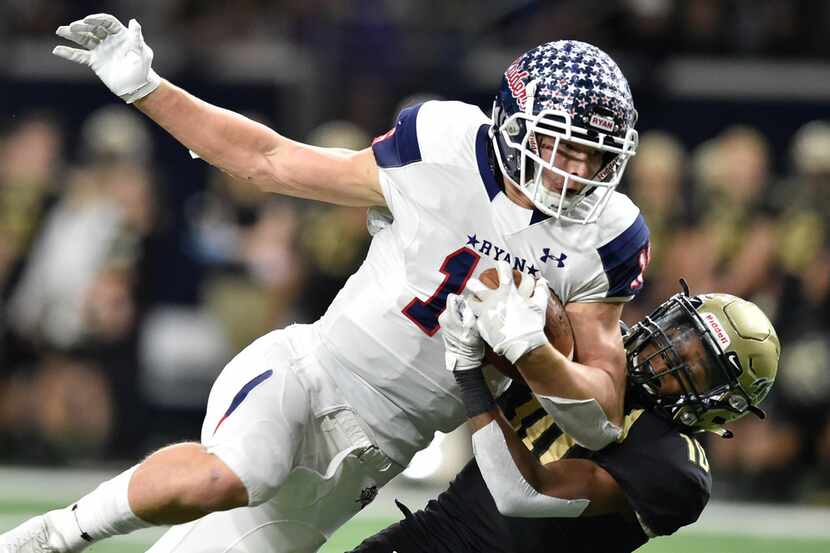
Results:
457 268
644 259
696 453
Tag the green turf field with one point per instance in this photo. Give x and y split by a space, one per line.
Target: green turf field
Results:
351 534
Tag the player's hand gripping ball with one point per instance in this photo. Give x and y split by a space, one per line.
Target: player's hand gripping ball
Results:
557 326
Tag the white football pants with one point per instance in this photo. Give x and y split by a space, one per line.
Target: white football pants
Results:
278 421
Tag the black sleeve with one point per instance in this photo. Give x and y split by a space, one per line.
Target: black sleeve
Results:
663 473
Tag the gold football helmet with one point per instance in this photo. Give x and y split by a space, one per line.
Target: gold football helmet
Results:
704 360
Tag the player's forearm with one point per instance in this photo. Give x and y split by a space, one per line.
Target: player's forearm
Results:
530 467
519 484
550 373
225 139
481 412
252 152
532 470
583 399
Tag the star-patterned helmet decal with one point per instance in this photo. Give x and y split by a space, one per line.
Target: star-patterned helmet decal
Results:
575 77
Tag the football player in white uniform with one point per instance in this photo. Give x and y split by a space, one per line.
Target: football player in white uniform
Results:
307 422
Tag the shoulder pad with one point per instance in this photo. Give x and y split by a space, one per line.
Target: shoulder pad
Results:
433 132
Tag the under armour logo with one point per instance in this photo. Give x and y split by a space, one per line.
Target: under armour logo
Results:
560 261
367 495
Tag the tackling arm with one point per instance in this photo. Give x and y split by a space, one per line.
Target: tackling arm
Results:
522 486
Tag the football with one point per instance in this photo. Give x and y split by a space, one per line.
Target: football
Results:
557 326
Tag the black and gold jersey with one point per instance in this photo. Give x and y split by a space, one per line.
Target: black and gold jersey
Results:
662 471
538 430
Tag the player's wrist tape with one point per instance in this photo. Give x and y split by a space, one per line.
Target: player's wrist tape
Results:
153 81
474 392
106 511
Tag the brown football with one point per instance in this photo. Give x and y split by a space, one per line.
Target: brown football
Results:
557 326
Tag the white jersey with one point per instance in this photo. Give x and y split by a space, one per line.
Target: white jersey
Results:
451 222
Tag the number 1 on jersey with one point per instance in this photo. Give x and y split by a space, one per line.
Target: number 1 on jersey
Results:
457 269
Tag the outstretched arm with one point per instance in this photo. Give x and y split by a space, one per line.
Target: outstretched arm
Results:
253 152
243 148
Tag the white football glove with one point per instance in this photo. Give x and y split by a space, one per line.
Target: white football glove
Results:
117 54
463 347
509 318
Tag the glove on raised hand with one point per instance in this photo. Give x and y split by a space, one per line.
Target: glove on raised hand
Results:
117 54
509 318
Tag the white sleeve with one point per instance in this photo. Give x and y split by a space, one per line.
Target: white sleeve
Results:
426 140
583 420
420 159
513 495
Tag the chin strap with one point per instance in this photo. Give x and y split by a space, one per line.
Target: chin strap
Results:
723 433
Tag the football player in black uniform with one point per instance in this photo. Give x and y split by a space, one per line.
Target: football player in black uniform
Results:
694 364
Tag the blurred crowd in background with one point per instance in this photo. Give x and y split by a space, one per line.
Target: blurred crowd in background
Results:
126 282
652 27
